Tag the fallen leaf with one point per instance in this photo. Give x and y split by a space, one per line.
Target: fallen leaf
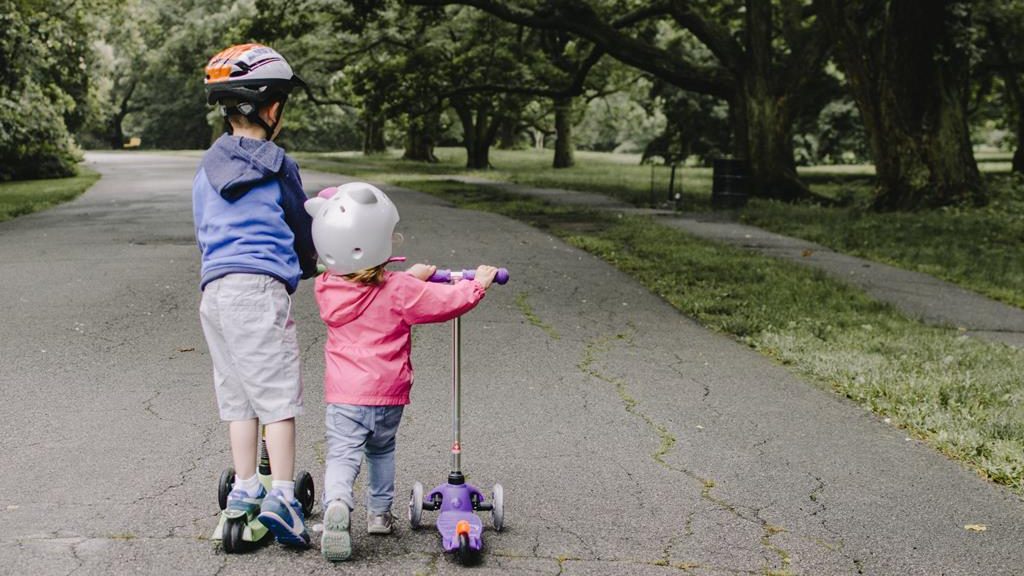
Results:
807 253
186 349
976 527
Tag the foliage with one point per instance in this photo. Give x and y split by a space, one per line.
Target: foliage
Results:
44 60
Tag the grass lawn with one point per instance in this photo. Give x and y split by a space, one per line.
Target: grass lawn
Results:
617 175
962 395
978 248
28 196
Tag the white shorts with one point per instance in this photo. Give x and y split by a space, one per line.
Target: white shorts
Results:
251 335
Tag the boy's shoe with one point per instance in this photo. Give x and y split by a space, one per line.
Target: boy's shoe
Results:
241 504
380 523
336 543
284 519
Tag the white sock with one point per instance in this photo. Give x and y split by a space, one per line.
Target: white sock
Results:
250 485
286 487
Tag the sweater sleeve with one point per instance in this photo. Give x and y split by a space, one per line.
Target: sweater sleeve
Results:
426 302
293 200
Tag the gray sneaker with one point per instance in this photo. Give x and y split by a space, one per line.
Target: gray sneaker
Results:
336 543
380 523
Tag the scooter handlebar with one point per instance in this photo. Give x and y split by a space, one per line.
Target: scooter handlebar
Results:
444 276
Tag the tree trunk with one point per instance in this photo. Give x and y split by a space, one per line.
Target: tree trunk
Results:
762 115
477 135
116 131
419 143
373 131
563 130
1011 84
508 136
911 92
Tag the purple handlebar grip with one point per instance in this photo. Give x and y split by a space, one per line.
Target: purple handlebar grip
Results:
445 276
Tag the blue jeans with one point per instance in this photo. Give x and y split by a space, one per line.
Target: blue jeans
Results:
353 431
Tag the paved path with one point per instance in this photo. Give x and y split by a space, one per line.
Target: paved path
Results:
919 295
629 439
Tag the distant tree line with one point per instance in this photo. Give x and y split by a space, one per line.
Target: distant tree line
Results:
911 85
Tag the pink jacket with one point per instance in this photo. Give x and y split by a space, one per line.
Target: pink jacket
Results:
368 332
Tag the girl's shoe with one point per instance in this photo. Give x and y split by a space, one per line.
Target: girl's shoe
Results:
380 523
336 543
284 519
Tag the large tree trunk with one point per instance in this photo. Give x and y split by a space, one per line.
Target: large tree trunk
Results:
373 130
563 134
478 134
911 92
762 114
419 142
508 135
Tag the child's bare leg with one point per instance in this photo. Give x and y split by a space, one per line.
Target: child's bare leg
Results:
244 436
281 446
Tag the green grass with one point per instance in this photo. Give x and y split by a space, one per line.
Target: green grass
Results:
962 395
28 196
977 248
617 175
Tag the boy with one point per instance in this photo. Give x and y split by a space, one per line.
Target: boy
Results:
255 239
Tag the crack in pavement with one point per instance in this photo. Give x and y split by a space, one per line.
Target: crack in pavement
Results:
600 345
527 311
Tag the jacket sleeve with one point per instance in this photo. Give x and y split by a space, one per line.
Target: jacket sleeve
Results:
293 200
426 302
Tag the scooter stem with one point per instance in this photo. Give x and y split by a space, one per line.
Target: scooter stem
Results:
456 471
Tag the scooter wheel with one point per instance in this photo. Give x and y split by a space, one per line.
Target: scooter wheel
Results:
305 491
416 505
465 554
234 531
227 482
498 510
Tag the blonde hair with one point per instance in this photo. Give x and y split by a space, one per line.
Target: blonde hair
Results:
373 275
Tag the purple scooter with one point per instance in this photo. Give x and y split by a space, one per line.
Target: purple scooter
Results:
461 529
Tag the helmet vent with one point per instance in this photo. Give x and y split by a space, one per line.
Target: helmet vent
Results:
357 253
363 196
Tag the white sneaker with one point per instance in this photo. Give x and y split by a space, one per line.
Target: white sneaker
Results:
336 543
380 523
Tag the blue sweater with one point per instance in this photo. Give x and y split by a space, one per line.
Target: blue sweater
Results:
247 201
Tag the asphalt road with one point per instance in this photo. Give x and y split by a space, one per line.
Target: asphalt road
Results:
629 440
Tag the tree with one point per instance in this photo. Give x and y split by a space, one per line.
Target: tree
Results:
1000 23
908 63
761 83
45 57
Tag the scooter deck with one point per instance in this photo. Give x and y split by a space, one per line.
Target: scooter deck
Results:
457 507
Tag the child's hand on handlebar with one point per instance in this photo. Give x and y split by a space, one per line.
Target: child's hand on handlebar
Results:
485 275
421 271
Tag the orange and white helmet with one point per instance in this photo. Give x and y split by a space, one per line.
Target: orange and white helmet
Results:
249 73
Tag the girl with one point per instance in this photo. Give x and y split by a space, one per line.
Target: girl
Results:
369 312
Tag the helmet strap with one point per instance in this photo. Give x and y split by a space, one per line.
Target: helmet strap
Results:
251 112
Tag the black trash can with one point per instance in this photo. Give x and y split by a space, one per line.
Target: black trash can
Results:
730 186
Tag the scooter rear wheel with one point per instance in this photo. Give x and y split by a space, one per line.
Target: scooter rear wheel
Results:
465 554
224 486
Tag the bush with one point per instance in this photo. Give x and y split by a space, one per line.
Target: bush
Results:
34 141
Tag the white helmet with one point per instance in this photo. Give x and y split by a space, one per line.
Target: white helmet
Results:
352 227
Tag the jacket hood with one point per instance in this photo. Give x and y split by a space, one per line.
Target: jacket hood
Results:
234 165
348 299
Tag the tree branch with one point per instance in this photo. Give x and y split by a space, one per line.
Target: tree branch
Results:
579 18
